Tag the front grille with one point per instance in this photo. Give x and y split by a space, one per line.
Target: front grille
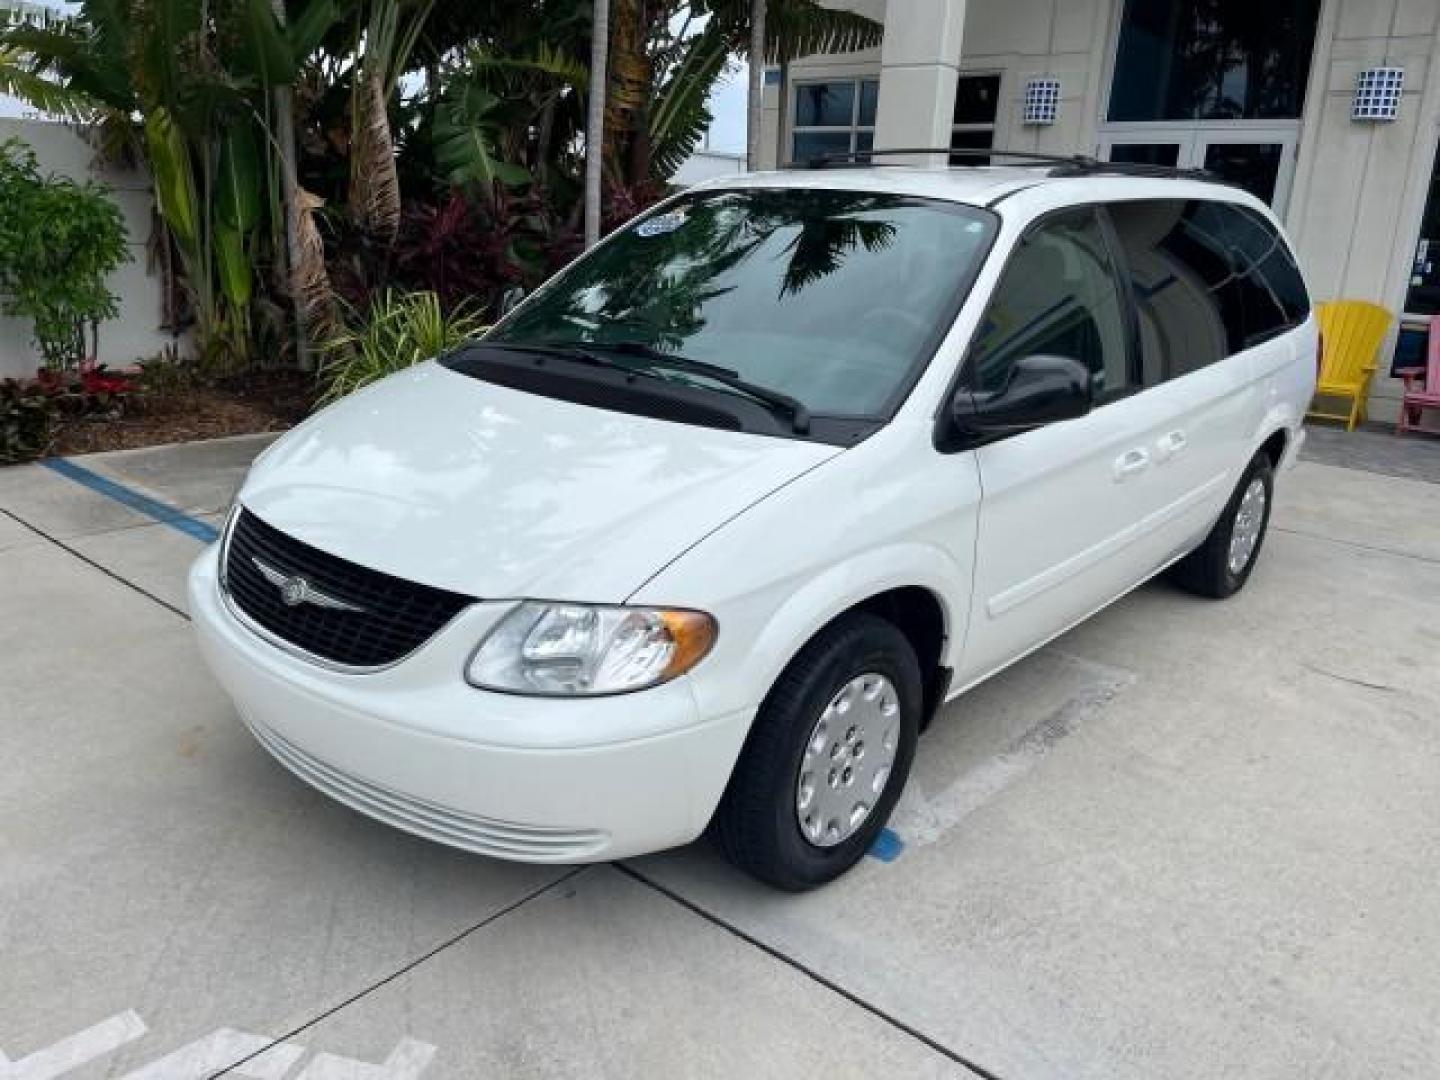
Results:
345 613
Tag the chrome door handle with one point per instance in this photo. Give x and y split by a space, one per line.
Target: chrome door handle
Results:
1170 444
1130 463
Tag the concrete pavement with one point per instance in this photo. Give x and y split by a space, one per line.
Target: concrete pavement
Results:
1188 839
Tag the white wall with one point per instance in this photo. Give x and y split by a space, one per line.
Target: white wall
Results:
135 334
708 164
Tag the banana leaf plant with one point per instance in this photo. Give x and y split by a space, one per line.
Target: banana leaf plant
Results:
666 56
184 87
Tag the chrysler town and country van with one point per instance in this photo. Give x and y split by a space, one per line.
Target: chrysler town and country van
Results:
703 532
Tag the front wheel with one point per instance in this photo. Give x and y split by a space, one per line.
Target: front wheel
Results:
827 757
1221 565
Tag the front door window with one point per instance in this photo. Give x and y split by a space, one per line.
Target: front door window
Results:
1058 297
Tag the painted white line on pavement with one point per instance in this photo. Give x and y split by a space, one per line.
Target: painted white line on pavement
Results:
207 1056
75 1050
211 1054
406 1062
923 817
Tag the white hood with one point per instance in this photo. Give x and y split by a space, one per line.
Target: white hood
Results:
448 480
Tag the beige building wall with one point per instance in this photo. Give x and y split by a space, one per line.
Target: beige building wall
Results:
135 334
1359 189
1026 39
1018 39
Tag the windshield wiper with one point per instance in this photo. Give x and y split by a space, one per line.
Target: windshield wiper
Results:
591 352
794 408
544 348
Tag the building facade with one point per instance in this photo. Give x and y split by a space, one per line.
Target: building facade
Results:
1327 109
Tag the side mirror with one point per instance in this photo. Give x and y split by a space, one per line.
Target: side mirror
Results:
1040 391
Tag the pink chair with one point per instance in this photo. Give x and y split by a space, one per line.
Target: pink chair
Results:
1422 386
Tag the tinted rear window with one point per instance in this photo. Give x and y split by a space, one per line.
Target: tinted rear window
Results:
1209 279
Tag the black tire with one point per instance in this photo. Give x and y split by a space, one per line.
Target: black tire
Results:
1206 570
756 823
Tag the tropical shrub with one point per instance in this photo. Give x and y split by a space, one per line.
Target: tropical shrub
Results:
89 390
31 410
28 414
280 145
468 250
398 331
59 242
202 80
475 251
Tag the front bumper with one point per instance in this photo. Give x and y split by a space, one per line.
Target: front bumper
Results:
533 779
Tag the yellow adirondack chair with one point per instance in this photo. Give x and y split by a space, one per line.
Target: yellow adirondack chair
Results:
1352 332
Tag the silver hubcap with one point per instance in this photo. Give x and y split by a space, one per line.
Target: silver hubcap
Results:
847 760
1249 520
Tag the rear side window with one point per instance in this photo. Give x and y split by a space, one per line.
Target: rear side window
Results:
1209 280
1059 296
1273 291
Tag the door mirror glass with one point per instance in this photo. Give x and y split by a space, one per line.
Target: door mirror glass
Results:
1040 390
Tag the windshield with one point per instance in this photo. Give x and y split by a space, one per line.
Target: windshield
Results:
833 298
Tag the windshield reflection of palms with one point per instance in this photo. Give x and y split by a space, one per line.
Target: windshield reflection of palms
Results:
781 286
713 241
822 246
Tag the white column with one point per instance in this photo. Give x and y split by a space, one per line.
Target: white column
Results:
919 60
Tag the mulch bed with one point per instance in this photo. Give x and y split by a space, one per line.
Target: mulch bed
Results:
262 401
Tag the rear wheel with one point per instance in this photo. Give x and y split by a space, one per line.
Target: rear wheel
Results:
1221 565
827 757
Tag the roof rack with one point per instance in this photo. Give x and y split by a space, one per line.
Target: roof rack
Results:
1068 165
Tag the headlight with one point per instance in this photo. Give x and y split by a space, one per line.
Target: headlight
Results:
569 650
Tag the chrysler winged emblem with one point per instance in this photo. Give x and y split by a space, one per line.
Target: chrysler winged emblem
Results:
295 590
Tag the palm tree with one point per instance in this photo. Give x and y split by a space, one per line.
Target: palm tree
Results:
595 120
18 81
388 40
199 83
755 99
660 80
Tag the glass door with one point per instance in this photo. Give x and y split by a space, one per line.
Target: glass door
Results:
1259 159
1122 148
1423 296
1261 162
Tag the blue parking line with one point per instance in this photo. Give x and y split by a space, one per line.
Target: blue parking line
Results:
144 504
887 846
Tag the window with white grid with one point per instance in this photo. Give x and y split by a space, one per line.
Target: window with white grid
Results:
833 117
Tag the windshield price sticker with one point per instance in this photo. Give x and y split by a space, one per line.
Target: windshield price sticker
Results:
661 224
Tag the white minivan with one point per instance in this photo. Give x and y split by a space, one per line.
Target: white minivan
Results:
704 532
